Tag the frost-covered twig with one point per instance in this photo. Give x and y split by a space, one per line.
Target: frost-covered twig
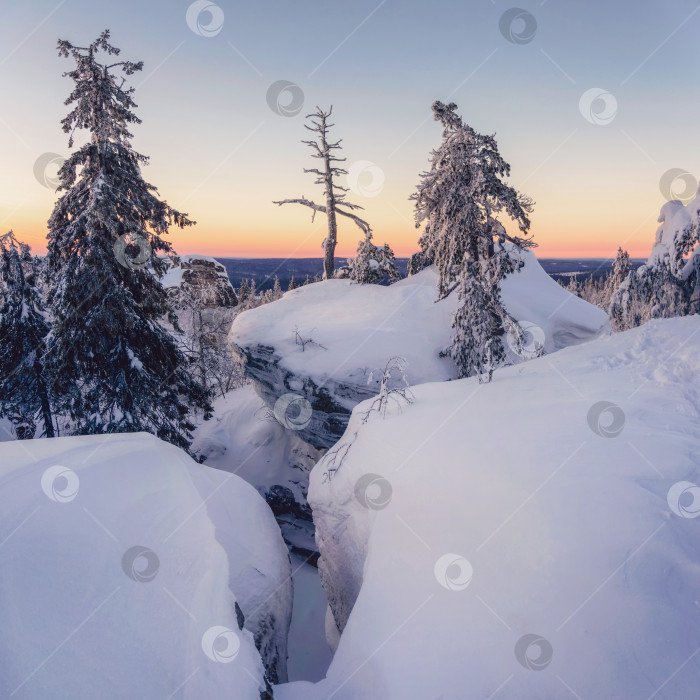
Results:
400 395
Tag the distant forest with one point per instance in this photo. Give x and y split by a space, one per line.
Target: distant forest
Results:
264 270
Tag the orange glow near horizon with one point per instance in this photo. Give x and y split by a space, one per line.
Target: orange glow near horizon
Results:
268 243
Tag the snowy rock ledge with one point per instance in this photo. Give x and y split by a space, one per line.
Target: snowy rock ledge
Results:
324 340
130 571
535 537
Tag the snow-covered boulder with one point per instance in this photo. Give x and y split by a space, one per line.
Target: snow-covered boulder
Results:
131 571
205 277
322 341
536 537
246 439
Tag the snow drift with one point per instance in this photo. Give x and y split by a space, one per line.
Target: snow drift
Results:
535 537
130 571
324 340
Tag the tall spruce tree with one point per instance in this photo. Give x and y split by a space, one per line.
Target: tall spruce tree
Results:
112 366
459 200
24 393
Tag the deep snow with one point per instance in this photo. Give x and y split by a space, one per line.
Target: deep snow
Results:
535 537
122 562
357 328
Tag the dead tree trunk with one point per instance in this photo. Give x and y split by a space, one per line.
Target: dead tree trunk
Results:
334 193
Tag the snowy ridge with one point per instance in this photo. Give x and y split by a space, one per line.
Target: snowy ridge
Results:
522 507
355 329
86 615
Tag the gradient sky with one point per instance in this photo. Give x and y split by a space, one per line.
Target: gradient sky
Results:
221 154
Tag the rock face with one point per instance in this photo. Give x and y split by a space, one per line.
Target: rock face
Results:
202 294
329 342
204 277
244 438
331 401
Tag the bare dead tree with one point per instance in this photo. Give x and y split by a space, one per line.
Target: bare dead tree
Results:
334 193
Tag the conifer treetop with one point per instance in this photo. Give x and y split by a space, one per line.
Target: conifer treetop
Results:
102 103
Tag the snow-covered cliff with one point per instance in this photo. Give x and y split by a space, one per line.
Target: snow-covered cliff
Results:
323 341
536 537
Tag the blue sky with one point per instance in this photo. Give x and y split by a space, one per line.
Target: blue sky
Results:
219 152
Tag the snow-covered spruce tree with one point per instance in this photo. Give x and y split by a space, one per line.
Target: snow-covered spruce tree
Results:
459 200
668 284
336 202
277 289
476 346
621 268
24 392
243 294
373 265
112 365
